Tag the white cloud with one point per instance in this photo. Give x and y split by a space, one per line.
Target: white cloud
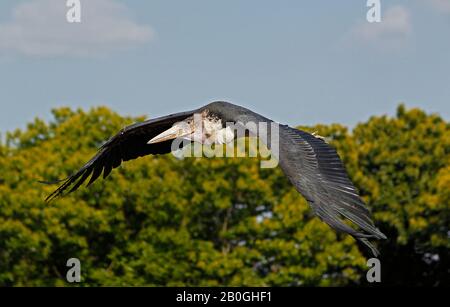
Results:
439 5
40 28
391 33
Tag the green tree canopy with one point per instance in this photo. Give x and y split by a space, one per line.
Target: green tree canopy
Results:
211 221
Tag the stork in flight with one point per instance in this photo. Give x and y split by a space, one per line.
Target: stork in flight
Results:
310 164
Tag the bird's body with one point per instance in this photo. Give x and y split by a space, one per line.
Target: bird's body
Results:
310 164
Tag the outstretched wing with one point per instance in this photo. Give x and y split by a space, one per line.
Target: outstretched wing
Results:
130 143
317 172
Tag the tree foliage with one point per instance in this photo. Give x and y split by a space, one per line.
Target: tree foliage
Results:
208 222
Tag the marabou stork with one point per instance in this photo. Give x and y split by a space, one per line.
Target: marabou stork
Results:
310 164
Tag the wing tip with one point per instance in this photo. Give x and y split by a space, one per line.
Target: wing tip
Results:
74 180
375 252
56 193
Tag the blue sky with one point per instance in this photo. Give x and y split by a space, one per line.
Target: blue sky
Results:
297 62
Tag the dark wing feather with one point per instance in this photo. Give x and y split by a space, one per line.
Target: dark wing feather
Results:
317 172
130 143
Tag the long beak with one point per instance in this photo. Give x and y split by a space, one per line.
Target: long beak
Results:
174 132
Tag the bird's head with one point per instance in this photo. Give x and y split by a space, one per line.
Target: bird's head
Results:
204 127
